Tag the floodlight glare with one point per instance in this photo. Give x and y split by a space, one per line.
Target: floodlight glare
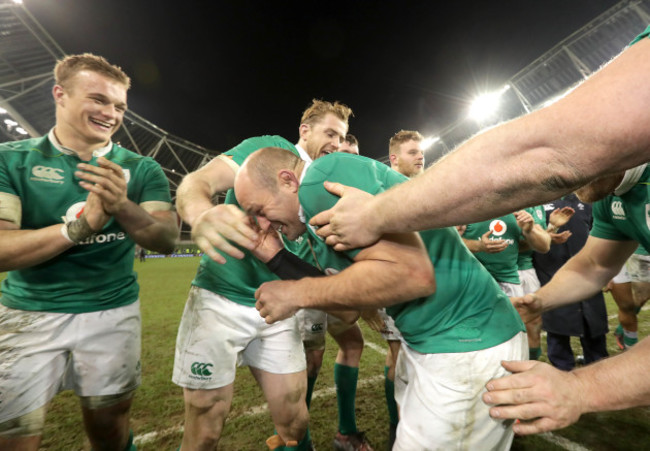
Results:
3 111
10 123
486 105
21 130
18 2
429 141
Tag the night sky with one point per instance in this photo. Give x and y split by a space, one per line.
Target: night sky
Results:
217 72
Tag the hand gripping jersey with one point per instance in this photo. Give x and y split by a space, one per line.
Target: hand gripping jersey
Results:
96 274
468 311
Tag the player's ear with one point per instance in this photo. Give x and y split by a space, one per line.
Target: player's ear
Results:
304 130
57 93
288 180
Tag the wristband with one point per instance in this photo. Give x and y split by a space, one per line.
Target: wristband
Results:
288 266
78 230
64 232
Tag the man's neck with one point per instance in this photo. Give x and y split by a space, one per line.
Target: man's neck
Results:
83 150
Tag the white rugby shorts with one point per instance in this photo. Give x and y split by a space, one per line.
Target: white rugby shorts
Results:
439 396
216 335
43 353
529 281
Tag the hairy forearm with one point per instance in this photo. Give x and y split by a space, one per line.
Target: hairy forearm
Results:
599 128
155 231
365 284
25 248
619 382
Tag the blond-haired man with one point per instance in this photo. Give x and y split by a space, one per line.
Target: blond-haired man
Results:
75 205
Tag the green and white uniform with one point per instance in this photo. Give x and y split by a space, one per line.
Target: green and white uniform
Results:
76 314
467 314
222 298
625 216
527 275
502 265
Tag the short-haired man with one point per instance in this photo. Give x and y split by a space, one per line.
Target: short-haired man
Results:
406 153
350 144
226 291
448 329
70 314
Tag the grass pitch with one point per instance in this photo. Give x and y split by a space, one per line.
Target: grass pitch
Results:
157 413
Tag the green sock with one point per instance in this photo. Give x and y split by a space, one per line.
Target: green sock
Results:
619 330
311 382
302 446
130 446
345 379
630 338
534 353
389 390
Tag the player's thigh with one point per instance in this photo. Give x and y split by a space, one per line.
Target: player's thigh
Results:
34 352
105 361
278 348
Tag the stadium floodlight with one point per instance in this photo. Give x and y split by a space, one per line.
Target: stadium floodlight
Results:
18 2
486 105
21 130
10 123
429 141
3 111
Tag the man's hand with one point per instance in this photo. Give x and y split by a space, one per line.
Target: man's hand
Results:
373 319
560 216
106 181
529 307
349 223
491 246
216 227
525 220
541 397
276 300
269 242
94 212
560 238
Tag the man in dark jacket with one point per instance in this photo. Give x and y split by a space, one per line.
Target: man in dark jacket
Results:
586 319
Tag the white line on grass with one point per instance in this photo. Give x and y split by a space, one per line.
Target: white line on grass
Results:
562 442
152 436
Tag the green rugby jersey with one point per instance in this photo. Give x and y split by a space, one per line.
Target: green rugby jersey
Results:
237 279
468 311
625 217
525 258
502 265
96 274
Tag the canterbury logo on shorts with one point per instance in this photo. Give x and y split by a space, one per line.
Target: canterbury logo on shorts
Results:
201 369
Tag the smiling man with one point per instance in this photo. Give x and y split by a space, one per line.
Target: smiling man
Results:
456 322
74 205
224 289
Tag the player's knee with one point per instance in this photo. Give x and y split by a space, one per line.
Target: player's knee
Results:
30 424
106 401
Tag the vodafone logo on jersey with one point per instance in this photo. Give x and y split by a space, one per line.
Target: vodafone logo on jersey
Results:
498 227
75 211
